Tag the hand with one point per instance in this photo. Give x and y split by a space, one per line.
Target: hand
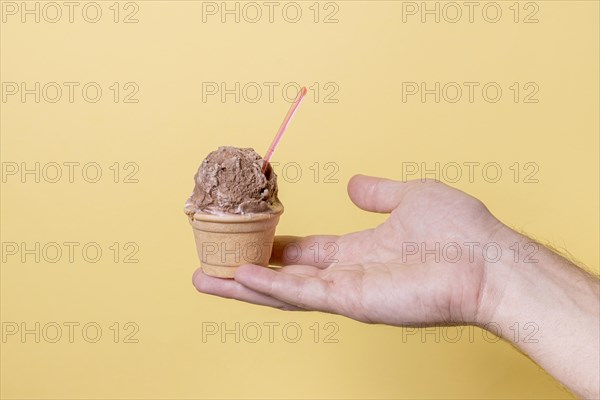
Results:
378 277
384 274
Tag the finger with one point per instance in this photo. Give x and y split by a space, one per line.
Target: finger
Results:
231 289
306 292
302 270
377 194
310 250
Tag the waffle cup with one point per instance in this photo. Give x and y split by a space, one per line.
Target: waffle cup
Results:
224 242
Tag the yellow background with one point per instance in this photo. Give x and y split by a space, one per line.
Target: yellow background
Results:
368 54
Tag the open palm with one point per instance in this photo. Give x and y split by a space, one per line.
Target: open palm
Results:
424 265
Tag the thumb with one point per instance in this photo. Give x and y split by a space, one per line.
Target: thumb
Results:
376 194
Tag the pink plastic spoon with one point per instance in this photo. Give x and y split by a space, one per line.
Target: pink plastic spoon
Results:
283 127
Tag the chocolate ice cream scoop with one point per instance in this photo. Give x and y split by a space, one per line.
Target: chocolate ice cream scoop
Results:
230 181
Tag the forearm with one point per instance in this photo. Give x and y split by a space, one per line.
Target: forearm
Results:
558 300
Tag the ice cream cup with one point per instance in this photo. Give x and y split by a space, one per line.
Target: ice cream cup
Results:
224 242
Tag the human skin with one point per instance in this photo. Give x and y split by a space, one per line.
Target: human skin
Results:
379 276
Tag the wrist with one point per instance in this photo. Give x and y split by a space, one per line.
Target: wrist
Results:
506 253
544 304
